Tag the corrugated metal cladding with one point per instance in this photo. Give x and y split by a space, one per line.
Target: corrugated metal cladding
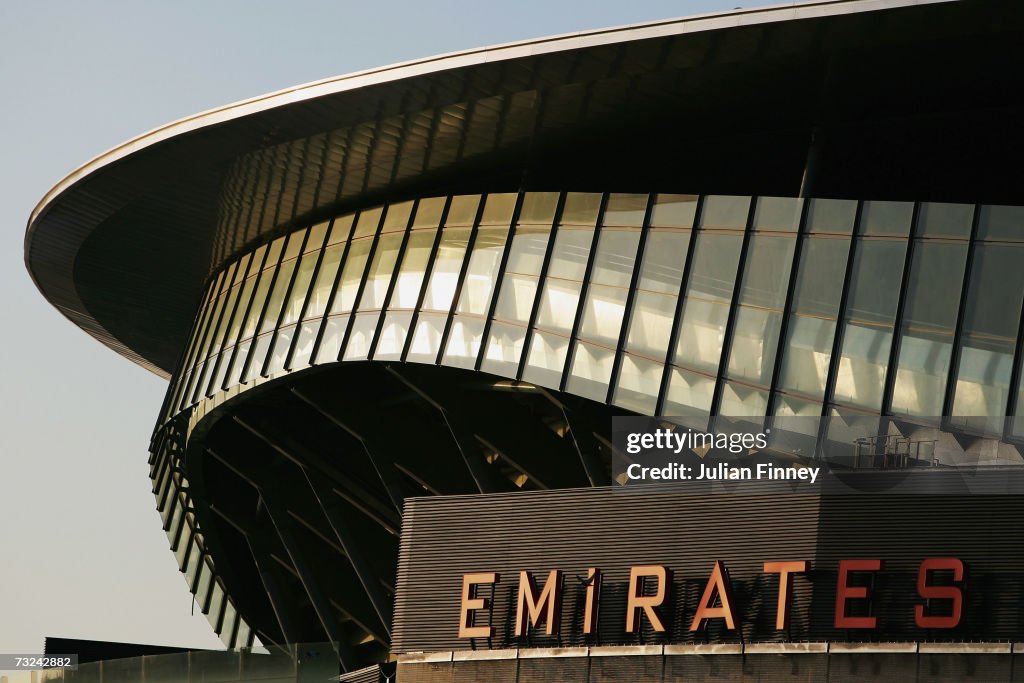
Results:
370 674
571 530
763 668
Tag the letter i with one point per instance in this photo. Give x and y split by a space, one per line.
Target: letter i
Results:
591 601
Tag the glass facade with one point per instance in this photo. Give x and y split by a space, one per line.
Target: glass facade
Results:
669 304
760 308
174 503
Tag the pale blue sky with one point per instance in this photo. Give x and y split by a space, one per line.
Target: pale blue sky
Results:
81 550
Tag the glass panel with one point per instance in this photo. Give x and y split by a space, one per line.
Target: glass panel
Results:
426 342
483 266
261 346
341 230
761 300
945 220
661 272
463 210
581 208
277 296
780 214
321 291
807 354
871 311
708 297
378 278
538 208
304 347
519 285
444 276
282 343
689 393
886 218
721 212
203 584
300 288
791 431
808 346
831 216
414 267
393 335
330 344
674 211
192 564
591 369
603 314
351 275
367 222
638 385
739 400
428 212
245 300
464 342
396 218
990 335
546 361
626 210
228 627
317 235
358 345
216 604
270 266
504 349
498 209
604 309
1003 223
560 296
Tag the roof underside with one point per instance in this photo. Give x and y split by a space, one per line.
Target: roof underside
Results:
920 100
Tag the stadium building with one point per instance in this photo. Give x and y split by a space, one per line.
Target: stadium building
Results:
399 310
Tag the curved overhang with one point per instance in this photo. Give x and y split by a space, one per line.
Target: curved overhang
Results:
123 245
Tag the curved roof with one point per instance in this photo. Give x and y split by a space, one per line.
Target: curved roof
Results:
123 245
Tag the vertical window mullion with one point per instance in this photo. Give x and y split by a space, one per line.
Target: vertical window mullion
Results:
224 342
541 279
362 282
627 310
498 279
194 383
428 271
396 270
677 319
258 273
457 296
730 323
581 304
287 296
901 304
954 358
263 310
322 250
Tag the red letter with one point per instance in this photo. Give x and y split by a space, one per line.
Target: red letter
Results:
470 603
785 570
645 602
930 592
718 583
845 592
532 607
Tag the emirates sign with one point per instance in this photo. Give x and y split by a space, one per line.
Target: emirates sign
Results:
941 606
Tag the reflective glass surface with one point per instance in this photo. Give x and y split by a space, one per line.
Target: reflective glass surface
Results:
784 302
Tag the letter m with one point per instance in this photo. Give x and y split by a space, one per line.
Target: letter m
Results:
536 608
